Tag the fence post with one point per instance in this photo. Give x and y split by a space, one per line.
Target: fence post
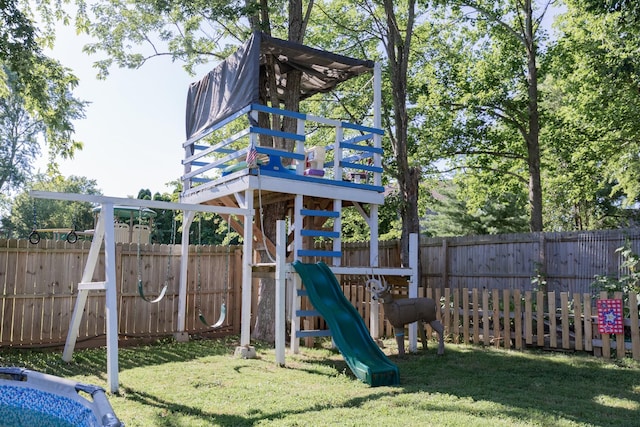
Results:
606 343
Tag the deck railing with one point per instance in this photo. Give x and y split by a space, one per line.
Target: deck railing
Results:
352 152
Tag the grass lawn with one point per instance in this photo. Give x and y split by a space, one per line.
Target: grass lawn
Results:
200 383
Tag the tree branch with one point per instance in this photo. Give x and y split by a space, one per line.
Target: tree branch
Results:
513 174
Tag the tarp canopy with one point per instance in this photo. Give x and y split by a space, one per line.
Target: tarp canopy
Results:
235 83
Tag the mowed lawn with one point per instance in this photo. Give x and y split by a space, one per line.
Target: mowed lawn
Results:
201 383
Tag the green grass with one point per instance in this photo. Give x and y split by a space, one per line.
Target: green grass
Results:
201 383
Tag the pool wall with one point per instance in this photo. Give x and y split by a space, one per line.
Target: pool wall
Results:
26 393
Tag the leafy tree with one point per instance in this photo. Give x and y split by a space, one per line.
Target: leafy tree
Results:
593 131
19 146
488 79
28 213
35 83
629 9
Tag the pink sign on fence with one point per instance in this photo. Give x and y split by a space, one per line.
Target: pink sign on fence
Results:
610 316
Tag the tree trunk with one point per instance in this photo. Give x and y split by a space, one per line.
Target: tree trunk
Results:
264 328
533 137
398 49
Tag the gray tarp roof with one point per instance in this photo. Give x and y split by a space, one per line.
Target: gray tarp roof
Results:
234 83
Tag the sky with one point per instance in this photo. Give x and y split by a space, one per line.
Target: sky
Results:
134 127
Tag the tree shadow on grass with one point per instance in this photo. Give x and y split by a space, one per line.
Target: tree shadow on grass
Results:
93 362
573 387
168 413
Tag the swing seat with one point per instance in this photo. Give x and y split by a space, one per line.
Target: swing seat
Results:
218 324
152 301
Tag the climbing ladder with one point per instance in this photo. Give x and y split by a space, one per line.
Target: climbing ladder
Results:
309 224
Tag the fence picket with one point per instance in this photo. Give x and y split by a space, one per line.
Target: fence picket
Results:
564 312
506 296
495 300
635 328
476 316
485 317
553 325
465 317
517 324
540 318
528 318
620 350
605 339
577 321
588 323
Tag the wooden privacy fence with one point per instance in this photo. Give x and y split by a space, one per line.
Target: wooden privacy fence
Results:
566 262
39 288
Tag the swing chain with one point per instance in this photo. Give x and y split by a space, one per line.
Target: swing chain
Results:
34 236
173 242
138 252
226 272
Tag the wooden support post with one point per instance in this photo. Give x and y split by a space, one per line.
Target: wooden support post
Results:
280 323
413 288
184 263
111 298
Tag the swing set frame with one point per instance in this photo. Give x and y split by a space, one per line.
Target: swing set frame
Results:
104 232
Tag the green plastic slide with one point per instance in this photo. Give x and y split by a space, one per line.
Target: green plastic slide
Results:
349 331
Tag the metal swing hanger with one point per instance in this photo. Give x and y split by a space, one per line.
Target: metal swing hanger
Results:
223 307
34 236
163 291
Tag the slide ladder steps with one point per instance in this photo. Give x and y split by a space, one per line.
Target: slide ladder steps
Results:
310 230
300 313
331 235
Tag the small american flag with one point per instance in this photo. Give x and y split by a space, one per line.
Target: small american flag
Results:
252 157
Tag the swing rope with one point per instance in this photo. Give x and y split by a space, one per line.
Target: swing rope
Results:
223 307
163 291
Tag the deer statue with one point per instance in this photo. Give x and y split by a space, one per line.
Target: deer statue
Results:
406 310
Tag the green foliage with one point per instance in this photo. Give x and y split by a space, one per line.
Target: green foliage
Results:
592 129
19 132
451 214
41 86
628 281
192 32
24 124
